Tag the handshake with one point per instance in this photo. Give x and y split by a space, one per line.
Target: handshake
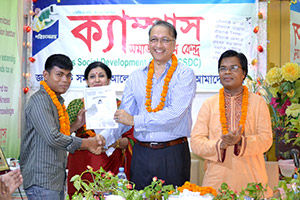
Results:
94 144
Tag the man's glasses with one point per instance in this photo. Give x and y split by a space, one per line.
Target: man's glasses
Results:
163 40
233 68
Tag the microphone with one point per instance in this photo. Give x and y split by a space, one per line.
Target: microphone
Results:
295 154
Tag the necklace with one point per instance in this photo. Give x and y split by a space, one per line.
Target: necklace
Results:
222 110
63 116
165 87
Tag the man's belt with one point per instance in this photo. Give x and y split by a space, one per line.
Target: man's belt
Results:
161 145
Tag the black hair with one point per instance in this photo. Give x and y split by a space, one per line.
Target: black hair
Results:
240 56
58 60
95 65
165 24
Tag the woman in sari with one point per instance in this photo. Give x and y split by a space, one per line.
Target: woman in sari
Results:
97 74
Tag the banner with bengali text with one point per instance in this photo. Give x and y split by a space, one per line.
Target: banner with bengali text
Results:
9 79
116 33
295 32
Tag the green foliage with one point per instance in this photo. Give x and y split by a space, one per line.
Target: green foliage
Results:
225 193
157 189
291 189
103 182
106 182
254 191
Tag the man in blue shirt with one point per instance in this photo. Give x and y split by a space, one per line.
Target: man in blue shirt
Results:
157 101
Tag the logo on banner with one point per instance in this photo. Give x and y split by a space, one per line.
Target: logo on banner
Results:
45 27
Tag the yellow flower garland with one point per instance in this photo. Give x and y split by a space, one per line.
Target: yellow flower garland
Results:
165 87
222 110
63 116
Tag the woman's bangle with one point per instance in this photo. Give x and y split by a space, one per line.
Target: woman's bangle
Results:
118 144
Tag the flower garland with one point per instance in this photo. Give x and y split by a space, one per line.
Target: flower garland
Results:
165 87
222 110
89 132
63 116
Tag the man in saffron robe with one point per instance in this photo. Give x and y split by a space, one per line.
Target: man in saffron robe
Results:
233 130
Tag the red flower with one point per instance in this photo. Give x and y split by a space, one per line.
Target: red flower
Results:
273 102
281 111
154 178
129 186
109 172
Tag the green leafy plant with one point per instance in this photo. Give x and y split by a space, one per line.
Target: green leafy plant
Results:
290 189
225 193
103 183
284 85
126 190
254 190
156 190
281 90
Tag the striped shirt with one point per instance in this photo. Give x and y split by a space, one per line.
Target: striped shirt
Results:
43 155
173 121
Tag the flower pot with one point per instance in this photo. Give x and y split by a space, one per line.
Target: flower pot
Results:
155 197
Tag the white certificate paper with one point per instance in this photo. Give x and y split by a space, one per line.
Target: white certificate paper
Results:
100 103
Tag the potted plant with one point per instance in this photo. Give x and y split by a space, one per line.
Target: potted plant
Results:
156 190
253 191
281 90
104 183
284 85
225 193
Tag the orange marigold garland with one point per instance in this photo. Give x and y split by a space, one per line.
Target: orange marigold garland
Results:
89 132
63 116
222 110
196 188
165 87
